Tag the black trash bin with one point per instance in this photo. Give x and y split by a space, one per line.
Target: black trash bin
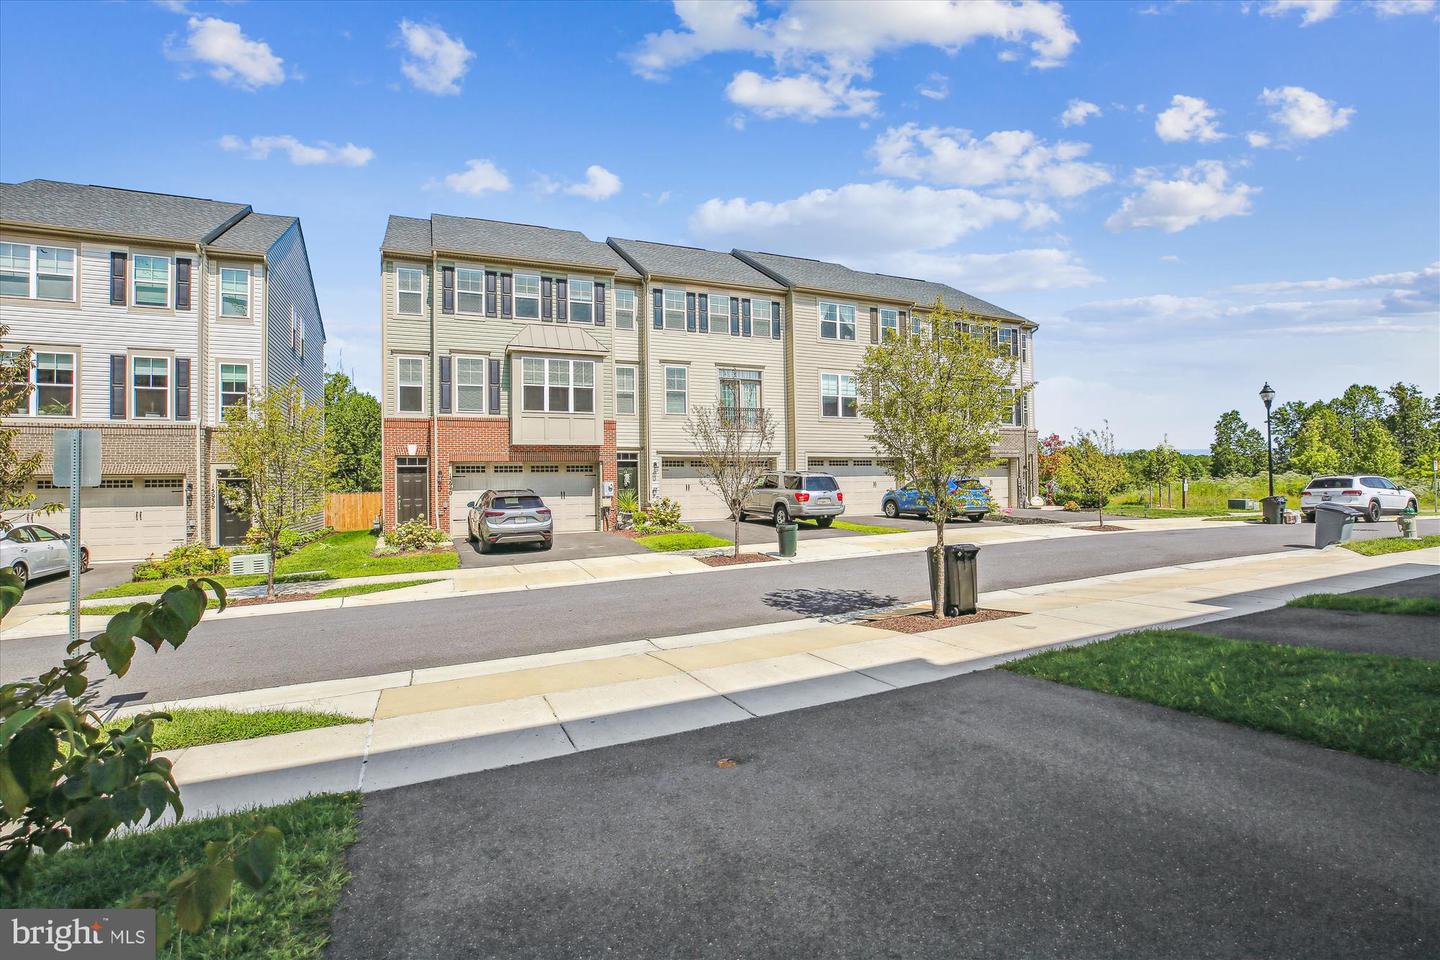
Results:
785 533
1334 523
960 575
1273 509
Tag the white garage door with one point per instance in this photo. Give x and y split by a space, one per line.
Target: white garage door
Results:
467 482
568 489
998 480
680 481
125 518
861 479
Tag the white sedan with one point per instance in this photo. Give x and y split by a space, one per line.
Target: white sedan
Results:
1375 495
31 550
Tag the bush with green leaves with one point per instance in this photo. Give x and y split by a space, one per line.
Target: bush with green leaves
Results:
290 540
189 560
414 535
661 516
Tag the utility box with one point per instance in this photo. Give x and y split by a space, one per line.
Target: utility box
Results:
249 563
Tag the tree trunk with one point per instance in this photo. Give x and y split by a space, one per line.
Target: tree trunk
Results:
270 576
937 601
736 518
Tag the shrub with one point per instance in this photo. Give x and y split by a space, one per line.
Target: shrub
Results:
190 560
414 535
662 516
290 540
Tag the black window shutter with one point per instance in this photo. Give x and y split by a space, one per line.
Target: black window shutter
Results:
117 381
182 283
774 320
904 323
490 302
182 388
118 263
545 295
689 313
874 324
704 313
658 319
447 289
742 315
445 384
507 290
495 387
562 302
735 318
599 304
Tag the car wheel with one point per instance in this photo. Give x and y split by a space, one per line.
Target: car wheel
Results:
782 514
547 545
22 573
975 517
84 559
892 509
824 522
485 546
1373 514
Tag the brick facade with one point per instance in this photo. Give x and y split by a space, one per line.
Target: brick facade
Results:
472 440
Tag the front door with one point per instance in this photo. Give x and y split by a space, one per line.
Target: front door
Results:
231 527
412 494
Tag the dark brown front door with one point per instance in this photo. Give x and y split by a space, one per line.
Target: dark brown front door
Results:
412 494
231 526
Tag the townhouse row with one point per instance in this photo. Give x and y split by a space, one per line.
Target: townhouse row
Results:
148 315
528 356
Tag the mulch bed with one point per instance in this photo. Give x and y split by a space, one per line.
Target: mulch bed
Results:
923 622
729 560
1103 528
278 598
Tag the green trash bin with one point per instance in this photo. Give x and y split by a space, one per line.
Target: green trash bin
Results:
786 533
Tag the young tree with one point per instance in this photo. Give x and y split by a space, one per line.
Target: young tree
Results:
1410 419
1285 424
935 402
277 447
1375 450
1049 456
15 471
1094 469
1322 445
734 447
1161 467
1238 448
352 432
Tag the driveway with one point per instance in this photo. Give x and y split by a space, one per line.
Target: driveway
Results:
56 588
991 815
567 546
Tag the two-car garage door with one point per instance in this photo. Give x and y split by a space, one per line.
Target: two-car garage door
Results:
568 489
125 518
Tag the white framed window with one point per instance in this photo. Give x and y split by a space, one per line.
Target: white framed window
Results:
52 381
234 385
234 292
470 384
150 388
917 325
582 300
719 314
1009 341
674 309
625 378
760 318
14 270
889 323
409 290
556 385
624 308
50 275
740 394
410 384
837 395
677 390
150 285
527 296
469 290
837 321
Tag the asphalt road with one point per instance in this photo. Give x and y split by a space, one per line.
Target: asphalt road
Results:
255 652
991 815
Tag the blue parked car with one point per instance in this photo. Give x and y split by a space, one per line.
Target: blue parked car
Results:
974 499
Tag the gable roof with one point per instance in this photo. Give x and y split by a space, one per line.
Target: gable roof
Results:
409 235
523 241
691 263
256 234
127 213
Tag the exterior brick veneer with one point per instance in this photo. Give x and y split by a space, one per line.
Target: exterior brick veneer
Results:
473 440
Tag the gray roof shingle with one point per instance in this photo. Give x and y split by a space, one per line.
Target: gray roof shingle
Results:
255 234
692 263
128 213
520 241
407 235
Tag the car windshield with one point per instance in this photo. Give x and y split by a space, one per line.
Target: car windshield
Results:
516 503
821 483
1331 483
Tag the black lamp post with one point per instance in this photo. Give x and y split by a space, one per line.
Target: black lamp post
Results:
1268 395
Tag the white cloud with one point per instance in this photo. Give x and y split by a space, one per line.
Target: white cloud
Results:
1400 8
860 220
1077 112
1311 11
937 87
1257 139
1198 193
1408 283
479 176
991 273
1016 161
1169 258
301 154
1304 114
1188 118
820 49
234 58
436 61
599 184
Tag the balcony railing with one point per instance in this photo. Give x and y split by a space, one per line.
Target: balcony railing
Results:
747 418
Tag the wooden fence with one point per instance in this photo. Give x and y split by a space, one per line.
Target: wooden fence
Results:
352 511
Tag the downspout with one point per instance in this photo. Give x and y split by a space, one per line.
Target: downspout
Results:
643 317
434 397
197 376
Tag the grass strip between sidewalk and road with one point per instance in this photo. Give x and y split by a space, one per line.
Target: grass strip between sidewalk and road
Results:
672 542
290 919
353 590
1384 545
1383 707
1367 603
198 726
864 529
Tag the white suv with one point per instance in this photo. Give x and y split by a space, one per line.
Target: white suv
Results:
1375 495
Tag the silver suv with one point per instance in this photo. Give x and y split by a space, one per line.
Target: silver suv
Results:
510 516
786 496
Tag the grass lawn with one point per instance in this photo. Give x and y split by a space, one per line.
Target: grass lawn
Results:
290 920
336 557
1383 707
1365 603
197 726
1138 510
864 529
359 589
1374 548
670 542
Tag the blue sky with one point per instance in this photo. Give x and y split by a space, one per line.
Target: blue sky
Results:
1190 198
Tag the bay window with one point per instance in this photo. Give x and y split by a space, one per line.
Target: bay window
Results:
837 395
674 309
837 321
410 384
582 300
553 385
234 385
234 292
150 387
152 281
624 308
470 384
409 290
527 296
469 290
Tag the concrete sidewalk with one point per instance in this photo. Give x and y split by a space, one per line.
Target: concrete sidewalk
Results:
440 722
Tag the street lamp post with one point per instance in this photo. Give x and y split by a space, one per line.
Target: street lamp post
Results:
1267 394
